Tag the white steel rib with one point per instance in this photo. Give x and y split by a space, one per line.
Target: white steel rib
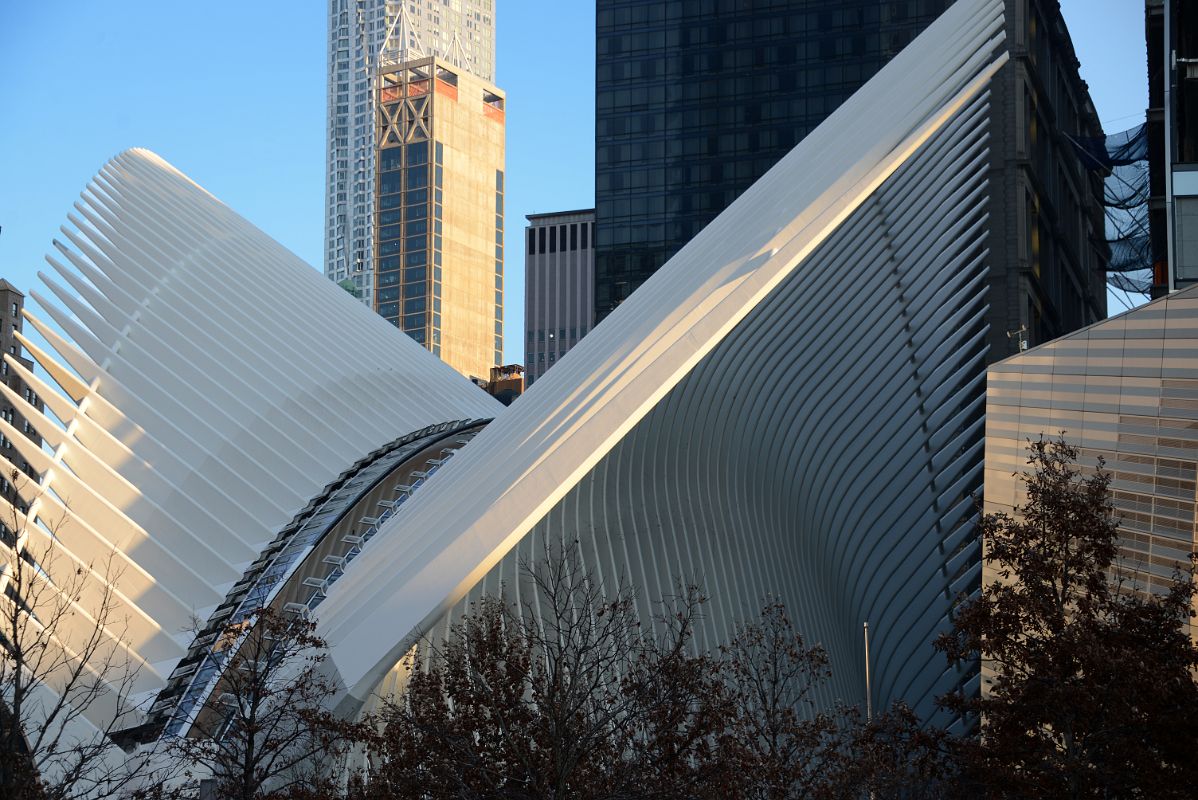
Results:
791 405
192 418
896 179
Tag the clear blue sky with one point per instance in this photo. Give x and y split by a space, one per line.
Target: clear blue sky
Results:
233 94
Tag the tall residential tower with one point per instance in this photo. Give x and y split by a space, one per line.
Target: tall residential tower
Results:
363 34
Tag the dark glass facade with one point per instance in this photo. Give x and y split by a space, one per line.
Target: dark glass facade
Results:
408 292
697 99
408 211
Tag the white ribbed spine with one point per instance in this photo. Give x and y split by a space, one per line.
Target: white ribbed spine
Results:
193 418
518 472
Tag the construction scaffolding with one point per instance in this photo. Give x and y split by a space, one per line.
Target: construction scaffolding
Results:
1122 160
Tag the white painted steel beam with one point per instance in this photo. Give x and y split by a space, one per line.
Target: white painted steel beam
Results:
895 178
188 419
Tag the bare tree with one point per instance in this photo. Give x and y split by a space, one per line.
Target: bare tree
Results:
569 696
265 731
782 742
66 675
564 697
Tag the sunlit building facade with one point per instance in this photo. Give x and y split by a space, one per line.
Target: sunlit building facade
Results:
1125 391
363 35
439 192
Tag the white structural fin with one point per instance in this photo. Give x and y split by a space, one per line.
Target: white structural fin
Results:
204 383
790 405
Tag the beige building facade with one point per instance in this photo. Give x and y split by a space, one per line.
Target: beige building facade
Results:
439 200
362 35
1125 390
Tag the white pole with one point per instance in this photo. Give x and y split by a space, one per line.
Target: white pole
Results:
869 706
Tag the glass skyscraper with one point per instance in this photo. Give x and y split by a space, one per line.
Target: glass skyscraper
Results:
696 99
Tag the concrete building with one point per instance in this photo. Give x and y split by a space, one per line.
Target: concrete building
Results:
1125 390
439 192
559 283
694 102
12 302
363 35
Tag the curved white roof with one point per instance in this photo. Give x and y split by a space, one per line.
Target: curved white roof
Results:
193 418
457 529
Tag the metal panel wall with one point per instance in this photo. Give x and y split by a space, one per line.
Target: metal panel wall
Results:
1124 390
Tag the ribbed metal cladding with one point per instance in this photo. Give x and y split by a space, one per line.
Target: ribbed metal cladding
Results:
825 452
791 405
1124 390
193 418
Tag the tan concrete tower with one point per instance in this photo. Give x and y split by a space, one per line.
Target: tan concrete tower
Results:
438 247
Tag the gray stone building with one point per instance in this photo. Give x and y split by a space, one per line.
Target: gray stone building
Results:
559 278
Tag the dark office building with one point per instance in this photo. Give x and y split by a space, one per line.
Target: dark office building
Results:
1158 69
1048 249
1171 28
697 100
11 303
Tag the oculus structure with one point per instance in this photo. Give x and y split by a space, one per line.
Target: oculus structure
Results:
791 406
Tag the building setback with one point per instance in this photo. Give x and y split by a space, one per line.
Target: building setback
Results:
439 207
362 33
559 276
694 102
